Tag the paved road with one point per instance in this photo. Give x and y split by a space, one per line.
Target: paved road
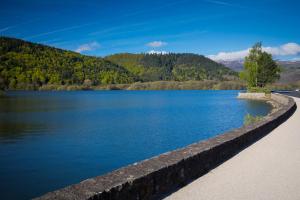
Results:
291 93
268 169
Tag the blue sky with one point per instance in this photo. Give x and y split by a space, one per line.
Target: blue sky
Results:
205 27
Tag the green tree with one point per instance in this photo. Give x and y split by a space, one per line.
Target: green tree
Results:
268 71
2 84
259 68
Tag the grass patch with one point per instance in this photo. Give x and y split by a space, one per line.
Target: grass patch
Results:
249 119
2 93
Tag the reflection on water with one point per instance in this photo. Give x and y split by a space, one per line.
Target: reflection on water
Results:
52 139
11 131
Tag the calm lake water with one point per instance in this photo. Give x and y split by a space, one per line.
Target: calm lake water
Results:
49 140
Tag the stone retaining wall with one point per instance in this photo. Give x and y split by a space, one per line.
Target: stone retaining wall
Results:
280 99
254 96
160 175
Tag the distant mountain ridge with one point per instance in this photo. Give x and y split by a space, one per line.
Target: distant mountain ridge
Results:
290 69
27 65
236 65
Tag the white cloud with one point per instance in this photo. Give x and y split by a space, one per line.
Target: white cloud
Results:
284 50
5 29
287 49
230 56
157 52
88 47
156 44
296 59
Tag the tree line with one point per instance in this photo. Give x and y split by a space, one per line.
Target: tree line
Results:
173 67
25 65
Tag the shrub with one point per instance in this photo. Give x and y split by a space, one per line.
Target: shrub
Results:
259 90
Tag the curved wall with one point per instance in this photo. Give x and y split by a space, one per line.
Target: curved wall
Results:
152 178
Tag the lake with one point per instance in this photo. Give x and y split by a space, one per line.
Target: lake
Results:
49 140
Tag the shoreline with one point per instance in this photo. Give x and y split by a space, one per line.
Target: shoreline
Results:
268 98
154 85
268 169
161 174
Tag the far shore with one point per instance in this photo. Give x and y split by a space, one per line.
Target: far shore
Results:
156 85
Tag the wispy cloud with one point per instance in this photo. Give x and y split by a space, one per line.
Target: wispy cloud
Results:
154 8
88 47
16 25
156 44
59 30
134 13
183 35
288 49
5 29
224 3
112 29
218 2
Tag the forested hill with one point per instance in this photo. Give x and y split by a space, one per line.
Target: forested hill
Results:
26 65
178 67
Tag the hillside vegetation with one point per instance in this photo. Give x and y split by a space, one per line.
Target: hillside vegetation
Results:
26 65
176 67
